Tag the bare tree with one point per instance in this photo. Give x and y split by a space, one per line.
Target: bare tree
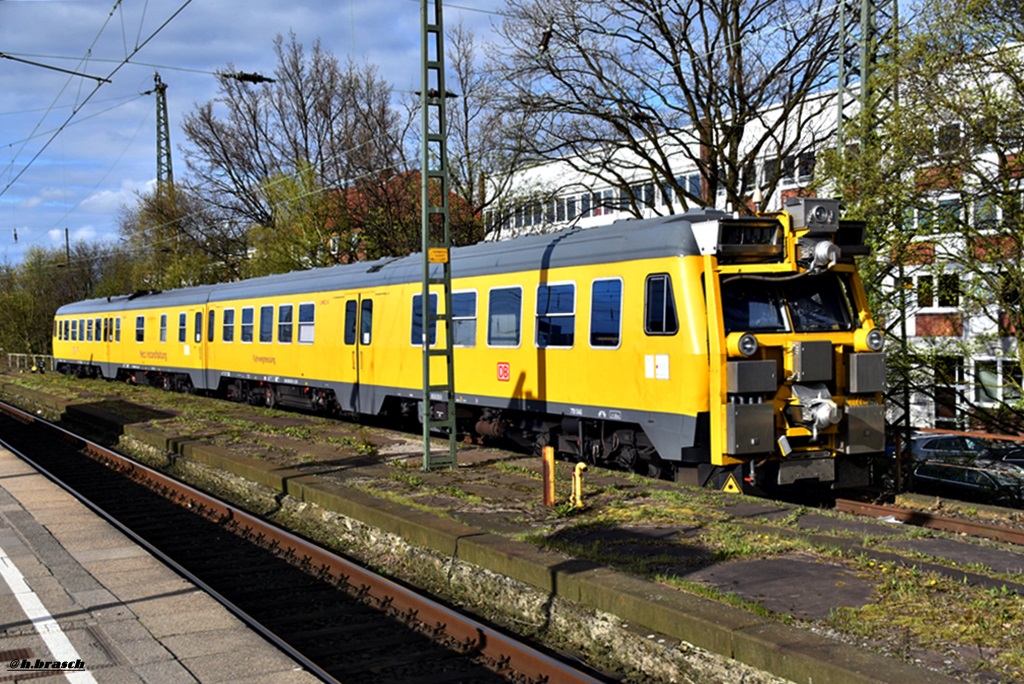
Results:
625 88
318 116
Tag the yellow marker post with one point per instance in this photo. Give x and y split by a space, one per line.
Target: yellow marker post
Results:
577 486
548 474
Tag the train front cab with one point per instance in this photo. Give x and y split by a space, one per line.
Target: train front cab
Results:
796 363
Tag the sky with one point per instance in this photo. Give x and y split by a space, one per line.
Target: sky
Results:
75 150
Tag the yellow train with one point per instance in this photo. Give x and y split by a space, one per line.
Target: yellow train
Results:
730 351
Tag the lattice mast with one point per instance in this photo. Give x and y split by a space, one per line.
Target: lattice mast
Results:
438 405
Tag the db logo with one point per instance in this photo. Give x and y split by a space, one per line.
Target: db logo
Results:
504 372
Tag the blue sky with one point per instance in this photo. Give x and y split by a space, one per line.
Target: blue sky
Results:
72 155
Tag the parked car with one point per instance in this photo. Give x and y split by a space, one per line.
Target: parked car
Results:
977 481
926 446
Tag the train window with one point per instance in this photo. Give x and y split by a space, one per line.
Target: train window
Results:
660 306
351 307
163 327
98 328
605 313
88 330
198 320
74 330
556 315
267 323
140 328
248 314
117 329
106 329
284 324
504 310
307 322
210 327
366 321
182 325
228 330
754 306
813 304
417 320
464 319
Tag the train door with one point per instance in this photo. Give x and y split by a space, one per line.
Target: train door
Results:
195 349
358 347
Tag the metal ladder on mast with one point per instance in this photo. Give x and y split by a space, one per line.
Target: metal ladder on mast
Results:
436 238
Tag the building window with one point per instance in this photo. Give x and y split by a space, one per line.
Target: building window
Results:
307 322
986 381
284 324
925 291
805 166
464 319
949 290
556 315
504 311
605 313
659 306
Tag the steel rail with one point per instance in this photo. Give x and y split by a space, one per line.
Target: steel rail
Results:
490 643
974 528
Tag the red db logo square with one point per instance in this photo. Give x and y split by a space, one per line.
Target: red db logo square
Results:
504 372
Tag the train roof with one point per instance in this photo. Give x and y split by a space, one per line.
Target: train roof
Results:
626 240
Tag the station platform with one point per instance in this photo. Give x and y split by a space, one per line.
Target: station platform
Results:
80 602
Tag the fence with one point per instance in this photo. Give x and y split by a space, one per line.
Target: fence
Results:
33 363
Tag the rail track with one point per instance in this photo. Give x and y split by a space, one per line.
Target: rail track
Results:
337 619
976 528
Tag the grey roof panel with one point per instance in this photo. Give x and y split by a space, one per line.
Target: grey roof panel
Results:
620 241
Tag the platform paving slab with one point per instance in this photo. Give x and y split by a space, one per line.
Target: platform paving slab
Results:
115 603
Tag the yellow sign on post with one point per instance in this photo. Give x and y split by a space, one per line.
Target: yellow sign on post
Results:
437 255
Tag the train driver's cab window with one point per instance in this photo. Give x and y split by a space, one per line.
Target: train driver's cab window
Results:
556 315
267 323
163 327
504 315
248 315
182 324
606 313
307 322
416 338
198 320
284 324
660 306
228 326
140 328
464 319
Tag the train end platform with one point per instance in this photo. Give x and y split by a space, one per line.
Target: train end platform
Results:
79 601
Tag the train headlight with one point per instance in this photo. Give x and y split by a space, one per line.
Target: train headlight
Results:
869 340
744 344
